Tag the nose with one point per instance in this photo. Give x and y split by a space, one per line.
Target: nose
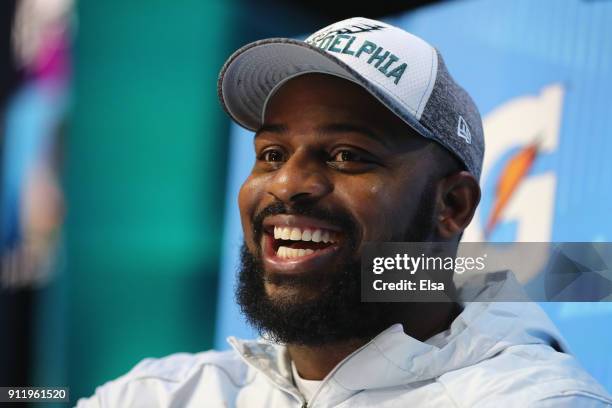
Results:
302 178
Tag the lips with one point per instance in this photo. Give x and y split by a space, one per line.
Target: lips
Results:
297 244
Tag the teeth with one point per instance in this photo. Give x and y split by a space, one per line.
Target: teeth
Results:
286 252
296 234
325 237
286 234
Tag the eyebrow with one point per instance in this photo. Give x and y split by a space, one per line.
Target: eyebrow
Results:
330 128
353 128
271 128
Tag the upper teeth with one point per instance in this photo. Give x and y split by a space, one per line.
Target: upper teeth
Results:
297 234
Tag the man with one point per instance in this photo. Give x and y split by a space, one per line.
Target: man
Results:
361 136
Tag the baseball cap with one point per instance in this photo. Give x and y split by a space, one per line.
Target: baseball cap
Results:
401 70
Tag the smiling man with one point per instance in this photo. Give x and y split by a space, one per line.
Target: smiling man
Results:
361 135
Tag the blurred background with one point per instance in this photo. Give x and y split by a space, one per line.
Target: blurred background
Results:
119 170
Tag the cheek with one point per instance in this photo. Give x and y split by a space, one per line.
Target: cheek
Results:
249 198
370 202
383 207
382 212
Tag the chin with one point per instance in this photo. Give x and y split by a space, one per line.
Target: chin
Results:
287 293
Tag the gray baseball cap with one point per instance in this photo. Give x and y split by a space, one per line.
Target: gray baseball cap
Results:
401 70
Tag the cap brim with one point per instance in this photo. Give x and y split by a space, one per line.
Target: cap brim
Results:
254 72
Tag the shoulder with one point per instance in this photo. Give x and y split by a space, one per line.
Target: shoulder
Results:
179 366
532 375
153 378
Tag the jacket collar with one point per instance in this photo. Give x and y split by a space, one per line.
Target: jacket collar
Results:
482 330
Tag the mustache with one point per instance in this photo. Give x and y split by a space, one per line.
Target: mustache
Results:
339 218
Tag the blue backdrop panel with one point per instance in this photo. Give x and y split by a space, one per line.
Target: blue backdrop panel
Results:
539 73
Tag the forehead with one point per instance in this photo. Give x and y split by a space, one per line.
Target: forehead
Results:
318 99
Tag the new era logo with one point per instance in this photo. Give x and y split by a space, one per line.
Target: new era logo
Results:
463 131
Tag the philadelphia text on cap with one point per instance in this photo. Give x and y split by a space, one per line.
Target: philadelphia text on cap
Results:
339 41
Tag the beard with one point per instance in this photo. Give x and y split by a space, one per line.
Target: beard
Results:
336 314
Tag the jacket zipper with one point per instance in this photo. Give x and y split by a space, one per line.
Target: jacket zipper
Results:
298 397
333 371
290 392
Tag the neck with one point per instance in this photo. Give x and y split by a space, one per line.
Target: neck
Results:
316 362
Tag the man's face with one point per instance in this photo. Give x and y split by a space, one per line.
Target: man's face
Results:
334 169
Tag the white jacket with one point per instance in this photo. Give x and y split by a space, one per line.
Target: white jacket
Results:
495 354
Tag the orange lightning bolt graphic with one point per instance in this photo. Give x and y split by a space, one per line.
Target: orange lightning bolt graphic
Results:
513 173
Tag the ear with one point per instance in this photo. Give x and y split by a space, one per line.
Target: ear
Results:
458 197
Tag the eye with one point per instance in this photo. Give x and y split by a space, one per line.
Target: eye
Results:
272 155
346 156
352 160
